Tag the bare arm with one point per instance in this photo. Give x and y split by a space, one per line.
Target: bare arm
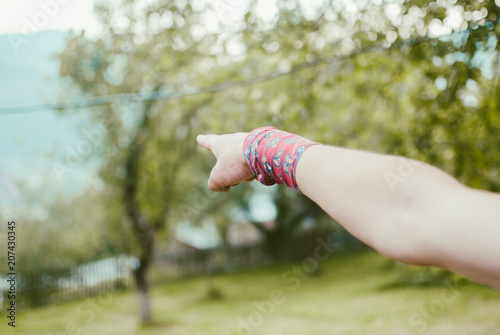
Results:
407 210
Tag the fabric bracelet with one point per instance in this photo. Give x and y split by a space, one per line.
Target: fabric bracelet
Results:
272 155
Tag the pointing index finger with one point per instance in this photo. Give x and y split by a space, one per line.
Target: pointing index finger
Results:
205 141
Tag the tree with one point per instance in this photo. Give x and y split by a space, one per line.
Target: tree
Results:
148 147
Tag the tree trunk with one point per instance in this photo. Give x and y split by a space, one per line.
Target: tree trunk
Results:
273 246
142 285
143 228
141 275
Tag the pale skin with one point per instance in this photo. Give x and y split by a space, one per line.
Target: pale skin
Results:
407 210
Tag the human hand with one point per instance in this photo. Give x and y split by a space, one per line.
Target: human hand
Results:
231 167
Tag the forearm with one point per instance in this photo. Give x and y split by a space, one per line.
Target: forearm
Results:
370 193
426 217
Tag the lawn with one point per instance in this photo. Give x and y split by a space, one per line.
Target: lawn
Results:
350 296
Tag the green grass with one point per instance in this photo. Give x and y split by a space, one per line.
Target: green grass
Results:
349 297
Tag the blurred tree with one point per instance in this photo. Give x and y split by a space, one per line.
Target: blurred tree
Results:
146 153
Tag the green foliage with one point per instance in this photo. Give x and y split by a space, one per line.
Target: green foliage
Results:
423 276
45 245
56 240
214 292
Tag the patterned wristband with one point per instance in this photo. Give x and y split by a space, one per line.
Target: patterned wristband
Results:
272 155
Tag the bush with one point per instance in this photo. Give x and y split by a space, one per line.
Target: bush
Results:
214 292
423 276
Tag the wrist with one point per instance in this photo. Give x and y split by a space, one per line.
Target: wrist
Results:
272 155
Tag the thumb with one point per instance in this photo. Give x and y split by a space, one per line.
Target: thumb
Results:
219 180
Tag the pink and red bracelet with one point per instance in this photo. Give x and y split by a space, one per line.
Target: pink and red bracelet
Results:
272 155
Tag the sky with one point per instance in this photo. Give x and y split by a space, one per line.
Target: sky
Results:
30 144
30 16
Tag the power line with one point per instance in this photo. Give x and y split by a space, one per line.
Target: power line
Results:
224 86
